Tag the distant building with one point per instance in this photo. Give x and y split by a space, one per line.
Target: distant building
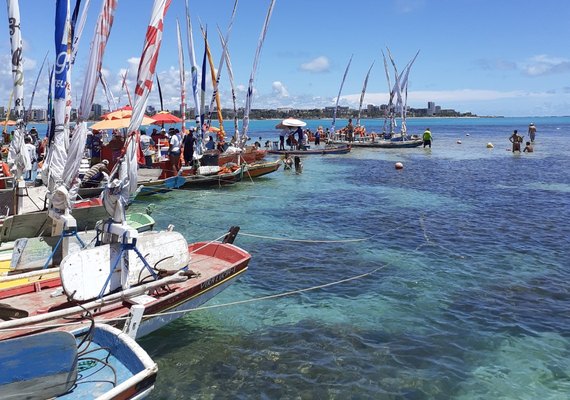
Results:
431 109
97 111
38 115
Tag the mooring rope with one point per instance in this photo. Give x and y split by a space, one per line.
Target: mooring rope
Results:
427 242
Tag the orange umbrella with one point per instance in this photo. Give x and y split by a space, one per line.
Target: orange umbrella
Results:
118 123
118 113
8 123
165 117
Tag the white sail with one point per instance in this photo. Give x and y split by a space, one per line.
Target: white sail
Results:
362 94
182 76
117 193
249 96
18 157
338 97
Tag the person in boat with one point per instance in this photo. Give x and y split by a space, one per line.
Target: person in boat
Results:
531 131
95 174
298 165
528 148
96 145
210 144
318 135
427 137
33 156
174 150
188 144
516 140
146 142
349 131
299 133
305 141
282 135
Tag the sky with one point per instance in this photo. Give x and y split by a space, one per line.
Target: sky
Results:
488 57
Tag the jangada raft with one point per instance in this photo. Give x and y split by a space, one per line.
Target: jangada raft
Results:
99 362
114 283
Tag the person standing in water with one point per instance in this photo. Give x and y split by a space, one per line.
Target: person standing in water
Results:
516 140
427 138
532 131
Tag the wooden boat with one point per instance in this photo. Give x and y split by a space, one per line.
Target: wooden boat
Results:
26 254
33 224
223 177
212 267
341 148
87 363
261 168
395 143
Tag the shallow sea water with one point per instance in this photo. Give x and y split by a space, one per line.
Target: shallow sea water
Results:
460 264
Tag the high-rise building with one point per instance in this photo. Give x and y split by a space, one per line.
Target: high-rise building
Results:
97 110
431 108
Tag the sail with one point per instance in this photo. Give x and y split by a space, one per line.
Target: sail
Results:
117 193
215 91
389 112
203 96
35 87
194 74
182 76
49 132
232 85
18 157
111 103
338 97
249 95
79 136
362 94
124 85
52 171
78 30
405 88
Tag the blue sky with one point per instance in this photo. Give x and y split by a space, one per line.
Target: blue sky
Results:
507 57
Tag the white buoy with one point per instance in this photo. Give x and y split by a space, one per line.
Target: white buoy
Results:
399 165
466 134
459 142
490 145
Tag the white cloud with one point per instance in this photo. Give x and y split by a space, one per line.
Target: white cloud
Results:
319 64
279 89
545 65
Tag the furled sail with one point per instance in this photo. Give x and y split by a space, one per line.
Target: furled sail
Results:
117 193
338 97
18 157
249 95
182 77
194 74
362 94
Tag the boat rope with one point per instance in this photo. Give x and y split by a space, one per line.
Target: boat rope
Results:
427 242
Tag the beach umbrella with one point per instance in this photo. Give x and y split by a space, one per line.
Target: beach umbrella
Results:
290 122
165 117
119 113
8 123
118 123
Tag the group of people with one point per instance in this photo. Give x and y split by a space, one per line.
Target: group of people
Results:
517 139
300 138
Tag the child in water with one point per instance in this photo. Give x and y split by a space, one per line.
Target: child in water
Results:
528 148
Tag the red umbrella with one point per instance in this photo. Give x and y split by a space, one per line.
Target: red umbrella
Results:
164 117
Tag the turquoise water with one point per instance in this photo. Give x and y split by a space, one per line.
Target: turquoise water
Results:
460 262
